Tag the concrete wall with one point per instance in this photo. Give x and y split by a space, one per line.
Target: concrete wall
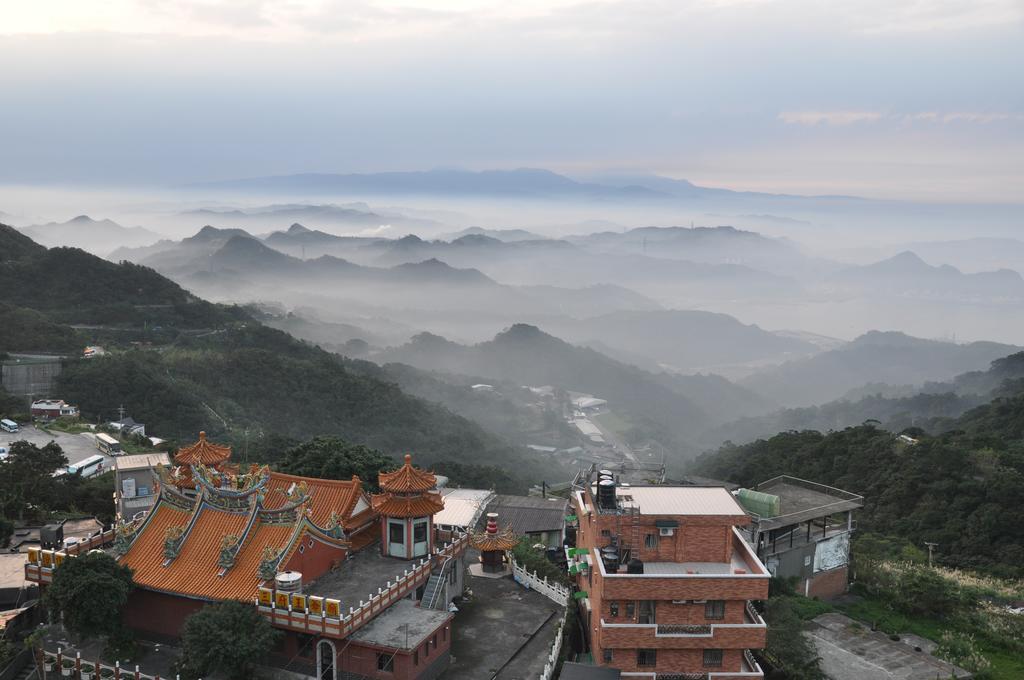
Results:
34 377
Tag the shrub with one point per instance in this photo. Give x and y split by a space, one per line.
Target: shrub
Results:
963 651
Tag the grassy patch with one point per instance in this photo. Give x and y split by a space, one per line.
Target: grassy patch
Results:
614 422
1006 664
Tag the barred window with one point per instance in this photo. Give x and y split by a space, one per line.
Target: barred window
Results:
646 657
712 658
714 609
613 608
651 541
606 654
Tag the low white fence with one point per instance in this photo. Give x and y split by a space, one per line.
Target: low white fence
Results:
556 648
553 591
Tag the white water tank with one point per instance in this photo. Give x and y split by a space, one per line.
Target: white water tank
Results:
288 581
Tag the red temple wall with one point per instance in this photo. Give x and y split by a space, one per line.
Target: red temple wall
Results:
158 614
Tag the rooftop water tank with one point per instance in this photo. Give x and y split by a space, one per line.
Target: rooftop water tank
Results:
288 581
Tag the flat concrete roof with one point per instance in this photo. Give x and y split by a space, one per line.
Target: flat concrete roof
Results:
501 631
800 500
850 652
403 625
358 577
678 500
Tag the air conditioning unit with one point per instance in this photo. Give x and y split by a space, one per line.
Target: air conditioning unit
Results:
666 531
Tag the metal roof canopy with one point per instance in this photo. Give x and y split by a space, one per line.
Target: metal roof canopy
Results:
802 500
579 671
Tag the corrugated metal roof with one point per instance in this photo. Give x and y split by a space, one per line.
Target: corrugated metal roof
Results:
141 461
680 500
529 514
462 507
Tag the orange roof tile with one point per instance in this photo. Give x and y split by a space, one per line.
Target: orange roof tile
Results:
148 547
194 571
203 451
326 496
407 479
419 505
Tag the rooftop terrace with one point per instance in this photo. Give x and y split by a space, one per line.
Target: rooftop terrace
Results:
801 500
358 577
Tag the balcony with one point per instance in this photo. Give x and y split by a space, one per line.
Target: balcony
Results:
749 670
751 634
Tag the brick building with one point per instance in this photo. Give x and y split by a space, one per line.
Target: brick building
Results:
667 581
359 584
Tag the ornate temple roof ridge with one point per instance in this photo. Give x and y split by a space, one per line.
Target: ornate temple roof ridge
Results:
407 479
203 451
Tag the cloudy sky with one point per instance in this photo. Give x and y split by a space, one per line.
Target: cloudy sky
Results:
888 98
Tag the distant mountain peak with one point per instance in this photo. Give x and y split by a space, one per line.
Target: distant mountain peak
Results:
298 229
520 332
82 219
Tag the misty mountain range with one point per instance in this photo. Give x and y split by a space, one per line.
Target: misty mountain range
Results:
519 183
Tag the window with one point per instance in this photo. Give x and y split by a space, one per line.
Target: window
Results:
646 657
613 608
416 657
630 609
606 654
386 662
433 640
607 533
712 658
419 532
396 532
647 608
714 609
651 541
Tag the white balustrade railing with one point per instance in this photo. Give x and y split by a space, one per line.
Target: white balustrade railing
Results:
553 591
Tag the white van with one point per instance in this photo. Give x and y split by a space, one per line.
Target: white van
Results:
8 425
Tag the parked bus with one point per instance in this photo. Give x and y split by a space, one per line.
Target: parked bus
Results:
93 465
107 444
8 425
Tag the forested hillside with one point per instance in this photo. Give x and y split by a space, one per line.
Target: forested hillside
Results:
929 407
216 369
72 286
963 489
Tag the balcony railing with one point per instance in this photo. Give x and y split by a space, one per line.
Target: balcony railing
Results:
674 629
319 615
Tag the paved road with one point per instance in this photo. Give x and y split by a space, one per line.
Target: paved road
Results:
75 446
616 442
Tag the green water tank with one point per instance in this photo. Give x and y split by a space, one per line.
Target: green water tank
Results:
760 503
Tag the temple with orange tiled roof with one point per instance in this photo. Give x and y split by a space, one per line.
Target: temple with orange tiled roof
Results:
302 551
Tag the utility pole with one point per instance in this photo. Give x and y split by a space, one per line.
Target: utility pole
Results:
931 546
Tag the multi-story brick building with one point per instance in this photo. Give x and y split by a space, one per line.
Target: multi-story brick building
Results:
668 580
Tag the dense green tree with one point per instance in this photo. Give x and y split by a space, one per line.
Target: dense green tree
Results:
89 593
228 638
26 478
333 458
960 489
788 649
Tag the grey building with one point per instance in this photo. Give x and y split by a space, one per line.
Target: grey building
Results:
135 487
802 529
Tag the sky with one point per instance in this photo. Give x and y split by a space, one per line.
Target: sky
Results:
904 99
